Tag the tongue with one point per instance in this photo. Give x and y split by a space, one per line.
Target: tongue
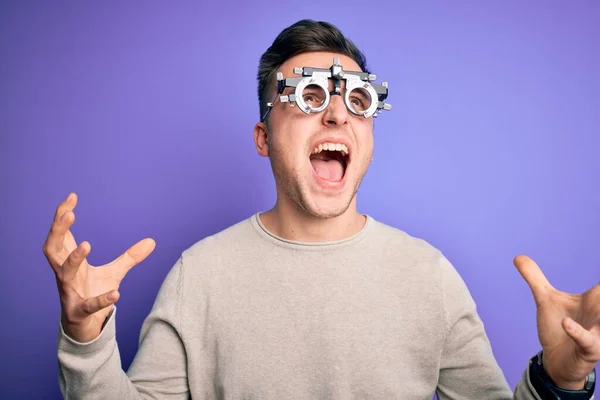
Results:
331 170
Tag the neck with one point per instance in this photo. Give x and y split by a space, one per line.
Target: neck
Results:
292 223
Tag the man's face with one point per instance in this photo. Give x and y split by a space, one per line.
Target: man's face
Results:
321 180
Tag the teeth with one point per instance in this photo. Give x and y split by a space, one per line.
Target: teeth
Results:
331 147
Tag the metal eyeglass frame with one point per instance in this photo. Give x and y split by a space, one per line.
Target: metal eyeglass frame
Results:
320 77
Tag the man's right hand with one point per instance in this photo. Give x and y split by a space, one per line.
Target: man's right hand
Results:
87 293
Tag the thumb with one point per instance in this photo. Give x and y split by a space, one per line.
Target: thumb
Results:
135 254
535 278
588 343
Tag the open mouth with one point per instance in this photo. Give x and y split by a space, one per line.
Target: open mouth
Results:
329 160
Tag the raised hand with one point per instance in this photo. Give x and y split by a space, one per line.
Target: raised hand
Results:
87 293
568 327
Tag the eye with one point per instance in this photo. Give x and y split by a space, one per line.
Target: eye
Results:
356 101
359 99
312 98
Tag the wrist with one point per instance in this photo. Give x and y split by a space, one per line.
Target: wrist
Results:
81 346
87 330
546 388
79 333
579 385
562 383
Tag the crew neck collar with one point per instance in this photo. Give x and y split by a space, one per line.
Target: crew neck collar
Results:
309 246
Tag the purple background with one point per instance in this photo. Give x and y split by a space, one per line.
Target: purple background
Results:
146 111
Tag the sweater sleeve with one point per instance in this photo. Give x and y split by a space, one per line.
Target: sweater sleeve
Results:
468 368
93 370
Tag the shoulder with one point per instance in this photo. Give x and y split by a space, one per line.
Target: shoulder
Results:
219 243
427 265
417 256
399 243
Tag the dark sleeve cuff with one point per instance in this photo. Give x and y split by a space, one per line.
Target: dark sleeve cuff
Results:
545 388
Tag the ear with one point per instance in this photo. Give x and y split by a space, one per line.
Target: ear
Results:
261 139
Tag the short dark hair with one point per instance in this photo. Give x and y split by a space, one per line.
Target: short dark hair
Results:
304 36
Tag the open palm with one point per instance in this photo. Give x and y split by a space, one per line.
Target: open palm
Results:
568 326
87 293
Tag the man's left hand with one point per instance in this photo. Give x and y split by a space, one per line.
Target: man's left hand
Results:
568 327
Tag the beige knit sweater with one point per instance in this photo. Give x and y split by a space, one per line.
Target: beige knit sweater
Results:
244 314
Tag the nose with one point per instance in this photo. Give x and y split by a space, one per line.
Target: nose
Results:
335 114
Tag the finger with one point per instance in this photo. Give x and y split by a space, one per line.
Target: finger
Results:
56 236
61 223
588 342
71 266
67 205
535 278
95 304
135 254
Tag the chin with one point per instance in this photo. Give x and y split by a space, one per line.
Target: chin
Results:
328 203
324 212
315 196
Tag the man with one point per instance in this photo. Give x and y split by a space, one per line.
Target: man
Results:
311 299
